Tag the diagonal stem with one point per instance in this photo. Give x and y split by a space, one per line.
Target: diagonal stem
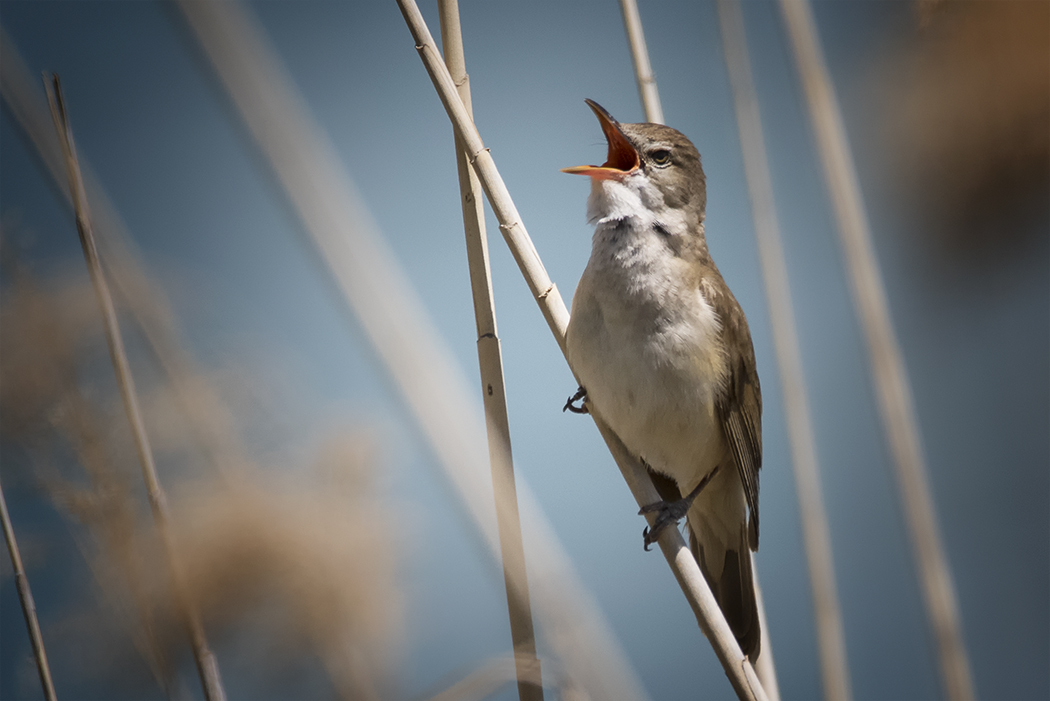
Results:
207 667
25 595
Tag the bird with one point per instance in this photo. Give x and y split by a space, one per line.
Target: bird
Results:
663 355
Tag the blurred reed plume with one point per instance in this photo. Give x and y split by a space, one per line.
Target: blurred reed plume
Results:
307 548
295 555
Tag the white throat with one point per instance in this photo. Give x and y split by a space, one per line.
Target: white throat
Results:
633 198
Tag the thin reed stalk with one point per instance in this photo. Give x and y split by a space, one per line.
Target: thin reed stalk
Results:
831 640
25 596
896 406
122 265
207 667
739 670
765 667
380 295
490 362
643 71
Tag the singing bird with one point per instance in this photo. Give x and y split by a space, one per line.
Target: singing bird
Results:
663 354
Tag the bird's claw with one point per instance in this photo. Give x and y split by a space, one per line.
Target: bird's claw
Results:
581 397
669 512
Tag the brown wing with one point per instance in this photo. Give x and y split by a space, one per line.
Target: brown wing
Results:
740 403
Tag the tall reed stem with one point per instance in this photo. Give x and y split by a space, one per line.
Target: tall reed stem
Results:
207 667
25 596
887 366
490 362
739 670
816 533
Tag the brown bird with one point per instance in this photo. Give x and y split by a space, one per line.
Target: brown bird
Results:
664 356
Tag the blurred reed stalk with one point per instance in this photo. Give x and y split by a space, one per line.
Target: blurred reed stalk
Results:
764 665
490 362
887 366
207 667
816 533
381 297
25 596
643 71
123 267
739 670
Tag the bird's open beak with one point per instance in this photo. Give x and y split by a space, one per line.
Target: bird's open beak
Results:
623 158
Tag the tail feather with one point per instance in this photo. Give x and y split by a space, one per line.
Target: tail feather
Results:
735 593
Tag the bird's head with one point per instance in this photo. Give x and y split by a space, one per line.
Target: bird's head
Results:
652 163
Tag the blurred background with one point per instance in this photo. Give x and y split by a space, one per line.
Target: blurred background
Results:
326 549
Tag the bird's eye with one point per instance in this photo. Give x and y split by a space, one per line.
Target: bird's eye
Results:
661 157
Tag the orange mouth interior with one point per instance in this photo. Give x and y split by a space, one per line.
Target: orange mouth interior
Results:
622 158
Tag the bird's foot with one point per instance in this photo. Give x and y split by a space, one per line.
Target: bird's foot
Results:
581 397
669 512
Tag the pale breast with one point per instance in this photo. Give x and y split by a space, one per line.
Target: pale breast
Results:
646 347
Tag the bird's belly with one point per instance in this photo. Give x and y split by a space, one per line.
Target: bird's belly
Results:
655 388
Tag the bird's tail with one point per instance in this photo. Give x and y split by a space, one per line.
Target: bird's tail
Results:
733 588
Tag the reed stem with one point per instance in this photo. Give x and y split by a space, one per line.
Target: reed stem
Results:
123 267
25 596
816 533
490 362
643 71
892 388
765 666
207 667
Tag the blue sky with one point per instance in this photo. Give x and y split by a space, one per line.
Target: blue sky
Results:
214 229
